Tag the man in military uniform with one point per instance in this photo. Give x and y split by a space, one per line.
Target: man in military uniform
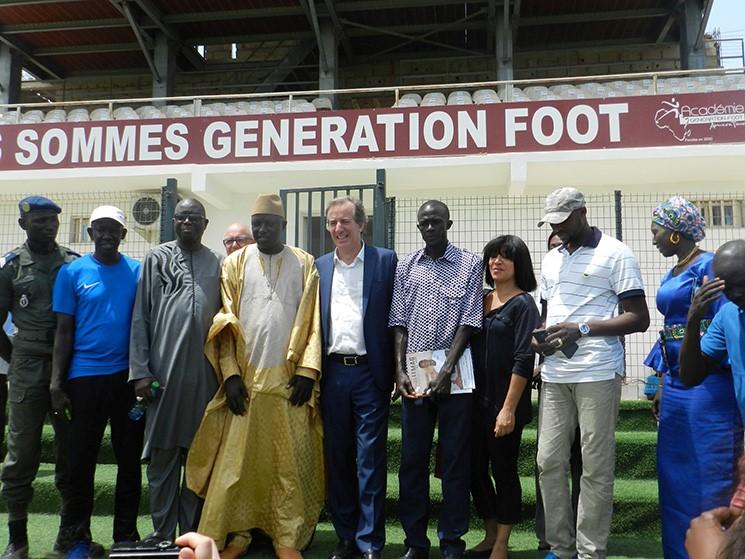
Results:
27 276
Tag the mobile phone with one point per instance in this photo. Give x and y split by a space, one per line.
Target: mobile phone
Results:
568 350
540 336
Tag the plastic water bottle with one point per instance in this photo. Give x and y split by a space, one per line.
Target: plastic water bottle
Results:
138 410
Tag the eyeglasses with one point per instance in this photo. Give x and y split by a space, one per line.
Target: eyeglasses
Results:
190 217
235 240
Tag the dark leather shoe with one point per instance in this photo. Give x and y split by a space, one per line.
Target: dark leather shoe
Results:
414 553
16 551
477 554
345 549
370 554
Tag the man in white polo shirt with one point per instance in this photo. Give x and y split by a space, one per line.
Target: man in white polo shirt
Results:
582 283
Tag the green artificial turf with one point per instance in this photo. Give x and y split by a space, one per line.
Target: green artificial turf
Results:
635 503
43 529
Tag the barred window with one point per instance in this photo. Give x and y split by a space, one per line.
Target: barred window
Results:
721 213
79 230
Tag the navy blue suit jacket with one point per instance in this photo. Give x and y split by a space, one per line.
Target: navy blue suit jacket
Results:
377 291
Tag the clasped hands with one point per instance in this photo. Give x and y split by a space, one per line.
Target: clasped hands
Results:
439 386
557 336
236 393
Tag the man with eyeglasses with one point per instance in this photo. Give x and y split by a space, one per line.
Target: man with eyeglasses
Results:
177 297
237 236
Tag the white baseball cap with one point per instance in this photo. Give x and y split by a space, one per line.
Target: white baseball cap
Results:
110 212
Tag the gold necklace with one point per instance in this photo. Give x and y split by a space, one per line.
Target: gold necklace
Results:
685 260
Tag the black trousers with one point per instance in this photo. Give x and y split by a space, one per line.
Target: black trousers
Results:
495 483
3 411
96 401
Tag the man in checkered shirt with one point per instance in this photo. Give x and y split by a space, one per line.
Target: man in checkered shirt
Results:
437 304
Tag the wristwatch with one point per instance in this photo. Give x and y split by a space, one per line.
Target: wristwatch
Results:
584 329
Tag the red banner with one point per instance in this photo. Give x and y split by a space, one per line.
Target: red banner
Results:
627 122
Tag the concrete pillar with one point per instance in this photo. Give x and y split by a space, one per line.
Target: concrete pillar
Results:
503 35
328 76
691 58
10 75
164 59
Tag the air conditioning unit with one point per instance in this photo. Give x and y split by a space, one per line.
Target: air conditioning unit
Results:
146 216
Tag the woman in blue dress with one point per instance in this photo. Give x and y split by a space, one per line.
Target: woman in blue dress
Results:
700 432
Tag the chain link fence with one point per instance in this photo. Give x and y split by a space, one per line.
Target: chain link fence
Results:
477 219
142 209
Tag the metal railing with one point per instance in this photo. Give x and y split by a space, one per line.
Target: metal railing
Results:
396 91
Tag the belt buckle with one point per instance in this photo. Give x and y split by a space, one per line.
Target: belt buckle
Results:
350 360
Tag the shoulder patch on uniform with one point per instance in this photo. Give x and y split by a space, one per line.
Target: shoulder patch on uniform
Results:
8 257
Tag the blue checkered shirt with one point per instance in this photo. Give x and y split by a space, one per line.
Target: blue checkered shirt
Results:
432 298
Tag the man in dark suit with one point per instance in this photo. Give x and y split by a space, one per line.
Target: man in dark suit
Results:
356 290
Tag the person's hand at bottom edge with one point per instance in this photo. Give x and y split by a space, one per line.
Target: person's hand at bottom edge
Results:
196 546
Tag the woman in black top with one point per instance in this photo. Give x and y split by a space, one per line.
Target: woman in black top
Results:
503 367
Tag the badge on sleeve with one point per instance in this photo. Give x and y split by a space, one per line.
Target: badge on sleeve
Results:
23 301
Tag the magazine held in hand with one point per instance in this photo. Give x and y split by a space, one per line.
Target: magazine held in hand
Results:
423 367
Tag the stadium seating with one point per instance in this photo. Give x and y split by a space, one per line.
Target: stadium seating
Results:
585 90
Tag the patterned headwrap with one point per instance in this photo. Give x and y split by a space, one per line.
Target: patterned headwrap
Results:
678 214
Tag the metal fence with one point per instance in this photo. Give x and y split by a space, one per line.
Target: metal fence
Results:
76 211
477 219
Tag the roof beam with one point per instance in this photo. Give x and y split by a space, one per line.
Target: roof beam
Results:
360 30
31 57
343 37
603 44
142 39
704 21
287 11
52 26
283 69
671 16
418 38
309 7
155 15
21 3
586 17
87 49
443 27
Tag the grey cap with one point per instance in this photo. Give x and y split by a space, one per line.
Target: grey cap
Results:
560 203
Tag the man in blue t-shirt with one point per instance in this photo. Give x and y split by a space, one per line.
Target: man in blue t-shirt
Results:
93 298
725 338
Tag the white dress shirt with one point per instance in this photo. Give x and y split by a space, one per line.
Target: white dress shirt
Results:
347 334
